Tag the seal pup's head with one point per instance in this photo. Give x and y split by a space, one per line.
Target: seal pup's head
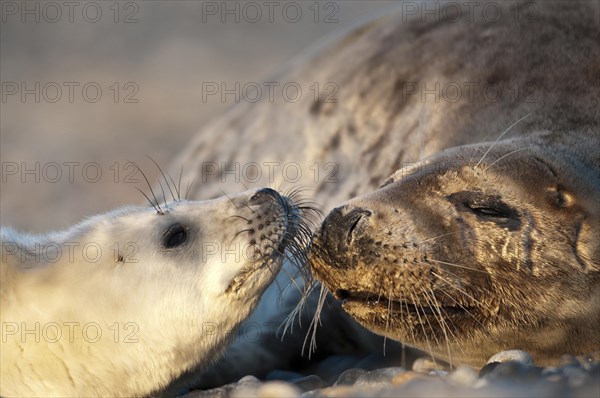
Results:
128 300
479 249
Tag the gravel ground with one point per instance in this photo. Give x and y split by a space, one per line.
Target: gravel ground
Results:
507 374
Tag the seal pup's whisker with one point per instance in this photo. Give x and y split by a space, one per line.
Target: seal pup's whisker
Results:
244 185
300 273
227 196
291 282
314 324
146 196
281 184
189 187
179 183
163 176
250 230
175 187
244 203
288 323
240 217
164 196
277 251
159 211
309 287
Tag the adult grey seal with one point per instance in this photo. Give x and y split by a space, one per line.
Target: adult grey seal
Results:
409 86
494 243
124 302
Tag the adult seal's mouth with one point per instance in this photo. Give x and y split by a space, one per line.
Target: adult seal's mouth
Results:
378 302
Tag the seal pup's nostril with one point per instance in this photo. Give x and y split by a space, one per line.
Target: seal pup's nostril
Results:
263 195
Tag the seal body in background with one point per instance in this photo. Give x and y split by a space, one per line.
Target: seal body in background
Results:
124 302
406 87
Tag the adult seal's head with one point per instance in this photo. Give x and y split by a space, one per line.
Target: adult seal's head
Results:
124 302
479 249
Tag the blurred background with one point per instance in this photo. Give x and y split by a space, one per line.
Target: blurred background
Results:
89 86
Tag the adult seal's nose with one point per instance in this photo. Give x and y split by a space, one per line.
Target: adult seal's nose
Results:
338 231
264 195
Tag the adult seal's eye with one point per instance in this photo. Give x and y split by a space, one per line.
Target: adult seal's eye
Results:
176 235
488 211
486 208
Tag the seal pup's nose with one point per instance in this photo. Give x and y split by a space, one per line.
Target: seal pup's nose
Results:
339 229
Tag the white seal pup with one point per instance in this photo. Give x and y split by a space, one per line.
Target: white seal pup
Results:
124 302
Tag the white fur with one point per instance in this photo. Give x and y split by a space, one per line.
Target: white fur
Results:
158 316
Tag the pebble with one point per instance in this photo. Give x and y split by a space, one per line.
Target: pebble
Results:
378 378
426 365
269 389
349 377
249 383
519 356
575 375
337 391
405 377
511 370
464 376
308 383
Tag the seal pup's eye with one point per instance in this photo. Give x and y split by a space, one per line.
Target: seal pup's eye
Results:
176 235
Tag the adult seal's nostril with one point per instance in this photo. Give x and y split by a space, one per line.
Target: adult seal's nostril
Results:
264 195
337 232
351 221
